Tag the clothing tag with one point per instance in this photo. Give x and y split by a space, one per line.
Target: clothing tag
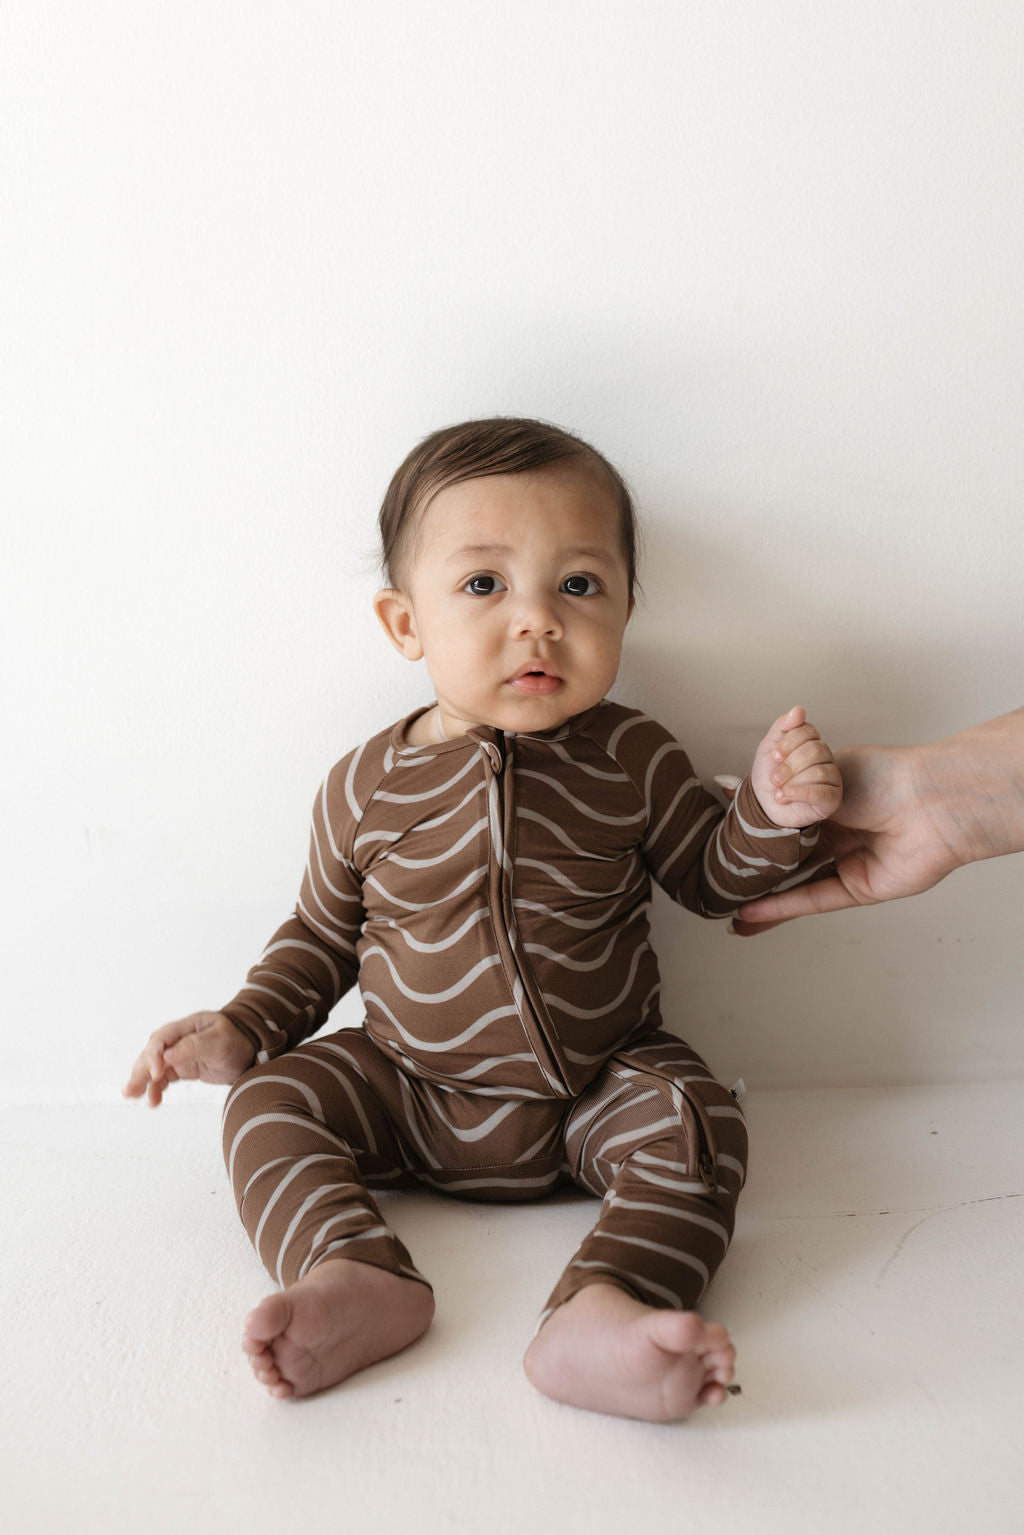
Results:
739 1089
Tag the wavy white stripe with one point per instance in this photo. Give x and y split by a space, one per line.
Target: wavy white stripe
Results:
615 1109
445 857
353 803
323 1192
491 1061
639 1281
422 947
438 820
347 927
435 1045
584 964
656 1247
732 897
563 837
411 1123
333 937
584 767
298 1167
432 998
548 1140
582 923
482 1130
722 842
667 749
418 799
261 1172
662 1163
369 1139
693 833
307 948
688 787
616 1202
362 1236
335 1220
308 993
490 1183
574 889
800 878
276 1119
681 1185
755 831
290 1007
585 810
609 1007
345 863
724 1111
465 884
307 1092
620 731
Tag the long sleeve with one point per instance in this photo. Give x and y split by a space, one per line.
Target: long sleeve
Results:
311 961
709 859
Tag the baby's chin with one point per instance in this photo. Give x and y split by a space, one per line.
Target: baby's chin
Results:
533 715
518 710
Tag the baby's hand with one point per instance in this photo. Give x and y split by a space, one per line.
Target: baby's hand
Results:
204 1045
794 775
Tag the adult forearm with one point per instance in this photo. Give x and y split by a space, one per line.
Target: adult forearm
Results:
972 786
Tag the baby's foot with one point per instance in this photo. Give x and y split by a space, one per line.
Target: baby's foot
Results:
340 1318
608 1352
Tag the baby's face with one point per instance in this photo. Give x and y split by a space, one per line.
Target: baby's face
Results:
517 597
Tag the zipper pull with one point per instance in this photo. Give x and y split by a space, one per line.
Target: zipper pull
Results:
493 752
706 1168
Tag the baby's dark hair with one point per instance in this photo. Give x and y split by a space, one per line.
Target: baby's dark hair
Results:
495 445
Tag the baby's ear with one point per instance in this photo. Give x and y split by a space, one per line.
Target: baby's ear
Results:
395 612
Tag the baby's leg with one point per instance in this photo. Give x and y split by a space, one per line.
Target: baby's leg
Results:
301 1134
666 1146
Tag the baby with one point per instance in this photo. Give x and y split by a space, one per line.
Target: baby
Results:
482 870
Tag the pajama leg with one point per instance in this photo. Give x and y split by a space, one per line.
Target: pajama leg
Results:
665 1145
303 1135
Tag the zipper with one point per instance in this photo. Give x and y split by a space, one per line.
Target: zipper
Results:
695 1117
704 1138
498 756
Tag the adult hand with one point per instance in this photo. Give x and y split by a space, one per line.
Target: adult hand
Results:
910 815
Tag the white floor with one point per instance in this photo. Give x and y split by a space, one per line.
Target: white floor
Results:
874 1290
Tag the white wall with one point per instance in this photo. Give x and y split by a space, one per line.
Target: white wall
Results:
766 255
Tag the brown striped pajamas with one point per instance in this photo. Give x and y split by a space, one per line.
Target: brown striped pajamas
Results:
491 896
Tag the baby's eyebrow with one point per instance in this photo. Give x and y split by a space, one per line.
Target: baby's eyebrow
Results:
477 551
483 551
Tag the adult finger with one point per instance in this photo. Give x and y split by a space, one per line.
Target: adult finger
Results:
805 901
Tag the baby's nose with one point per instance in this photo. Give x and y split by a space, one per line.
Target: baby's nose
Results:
537 616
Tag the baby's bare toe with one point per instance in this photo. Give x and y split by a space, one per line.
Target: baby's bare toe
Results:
714 1339
720 1364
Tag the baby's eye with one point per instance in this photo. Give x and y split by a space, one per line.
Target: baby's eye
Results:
483 586
580 586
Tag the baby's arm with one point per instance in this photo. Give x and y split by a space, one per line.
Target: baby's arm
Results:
206 1046
794 776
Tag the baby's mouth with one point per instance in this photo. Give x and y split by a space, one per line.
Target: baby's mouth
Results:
535 680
